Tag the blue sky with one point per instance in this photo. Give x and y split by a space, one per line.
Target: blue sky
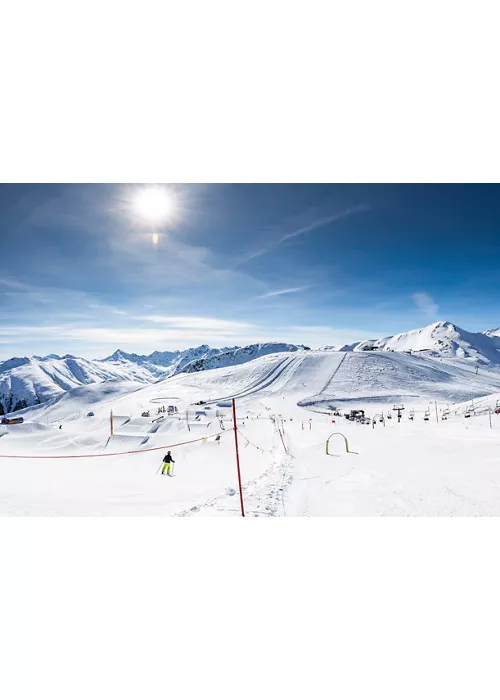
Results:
234 264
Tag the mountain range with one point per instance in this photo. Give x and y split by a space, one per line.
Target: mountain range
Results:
26 381
440 339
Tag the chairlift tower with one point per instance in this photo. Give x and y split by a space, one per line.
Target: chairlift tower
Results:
399 408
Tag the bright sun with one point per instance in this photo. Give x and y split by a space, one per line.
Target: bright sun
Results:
154 204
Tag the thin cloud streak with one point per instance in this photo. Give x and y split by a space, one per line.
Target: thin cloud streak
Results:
279 292
308 228
195 322
324 222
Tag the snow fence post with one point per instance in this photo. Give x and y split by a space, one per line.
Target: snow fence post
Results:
111 424
436 407
235 428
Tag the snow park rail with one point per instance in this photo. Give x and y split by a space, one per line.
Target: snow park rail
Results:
108 454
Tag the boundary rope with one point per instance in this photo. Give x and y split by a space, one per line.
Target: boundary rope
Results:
108 454
262 449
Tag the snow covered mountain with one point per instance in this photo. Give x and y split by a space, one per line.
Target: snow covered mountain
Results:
202 353
238 356
441 339
167 364
168 361
166 358
414 468
26 381
29 381
494 333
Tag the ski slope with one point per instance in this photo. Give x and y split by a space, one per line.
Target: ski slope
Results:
284 403
28 381
443 339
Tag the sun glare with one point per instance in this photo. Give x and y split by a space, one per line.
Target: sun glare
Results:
154 204
155 238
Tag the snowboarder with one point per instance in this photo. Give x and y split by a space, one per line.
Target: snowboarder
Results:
167 461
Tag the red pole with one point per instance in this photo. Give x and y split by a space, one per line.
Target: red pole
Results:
237 458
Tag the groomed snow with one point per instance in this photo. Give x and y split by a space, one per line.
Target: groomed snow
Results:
414 467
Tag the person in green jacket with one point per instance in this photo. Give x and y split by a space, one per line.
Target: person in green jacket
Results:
167 462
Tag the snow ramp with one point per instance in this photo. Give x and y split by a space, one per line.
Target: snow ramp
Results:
118 443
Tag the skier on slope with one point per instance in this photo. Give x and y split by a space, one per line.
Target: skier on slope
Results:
167 461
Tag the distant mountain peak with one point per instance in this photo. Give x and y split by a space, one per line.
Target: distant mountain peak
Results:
443 324
236 356
440 338
117 356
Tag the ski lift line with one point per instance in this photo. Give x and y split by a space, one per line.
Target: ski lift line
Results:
108 454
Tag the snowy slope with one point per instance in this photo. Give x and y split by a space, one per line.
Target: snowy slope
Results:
319 379
238 356
316 377
166 363
75 404
314 380
494 335
439 339
412 468
28 381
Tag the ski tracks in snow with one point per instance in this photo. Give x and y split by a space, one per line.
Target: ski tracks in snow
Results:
262 497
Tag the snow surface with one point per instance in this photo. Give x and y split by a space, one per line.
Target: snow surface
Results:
284 403
27 381
30 381
442 338
237 356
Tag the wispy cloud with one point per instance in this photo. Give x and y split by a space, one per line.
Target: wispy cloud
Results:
279 292
425 303
14 284
196 322
323 222
317 223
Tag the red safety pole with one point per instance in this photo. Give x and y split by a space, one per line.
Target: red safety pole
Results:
237 458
